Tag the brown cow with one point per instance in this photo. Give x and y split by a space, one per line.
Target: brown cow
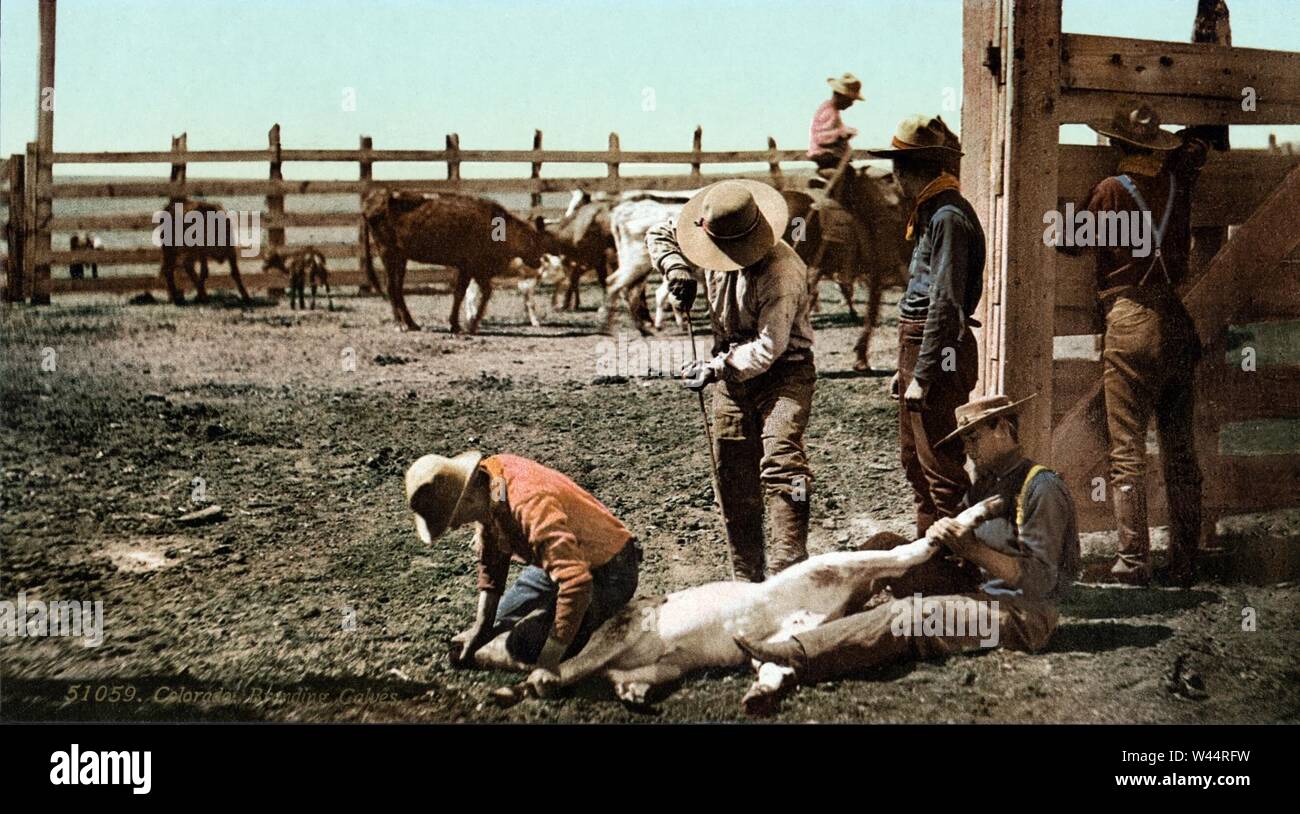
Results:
224 248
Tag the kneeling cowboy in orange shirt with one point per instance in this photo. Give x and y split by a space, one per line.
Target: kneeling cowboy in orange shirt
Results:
581 562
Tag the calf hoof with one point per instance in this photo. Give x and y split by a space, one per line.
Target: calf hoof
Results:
760 702
633 693
506 697
410 327
862 366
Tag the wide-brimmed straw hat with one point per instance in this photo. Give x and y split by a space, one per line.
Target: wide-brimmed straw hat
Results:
440 484
922 136
977 411
847 85
731 224
1137 124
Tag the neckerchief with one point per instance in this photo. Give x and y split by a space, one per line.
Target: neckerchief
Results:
943 183
1148 164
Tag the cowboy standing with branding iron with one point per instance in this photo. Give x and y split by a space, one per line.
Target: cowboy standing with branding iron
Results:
757 293
938 362
1022 563
1150 346
581 562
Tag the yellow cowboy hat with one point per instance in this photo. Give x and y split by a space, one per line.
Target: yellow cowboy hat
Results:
847 85
435 487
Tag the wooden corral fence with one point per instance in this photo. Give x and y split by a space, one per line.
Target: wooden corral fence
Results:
1024 78
30 277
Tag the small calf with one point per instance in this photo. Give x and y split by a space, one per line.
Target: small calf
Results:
302 266
656 640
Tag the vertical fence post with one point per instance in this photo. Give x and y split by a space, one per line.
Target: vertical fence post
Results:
16 230
365 175
774 164
275 203
612 166
36 279
180 145
453 157
697 141
42 169
536 198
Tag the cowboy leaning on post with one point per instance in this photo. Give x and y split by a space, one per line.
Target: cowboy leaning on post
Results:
1150 344
937 357
581 562
757 290
1025 560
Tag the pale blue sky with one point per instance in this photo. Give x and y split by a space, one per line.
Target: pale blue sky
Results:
130 74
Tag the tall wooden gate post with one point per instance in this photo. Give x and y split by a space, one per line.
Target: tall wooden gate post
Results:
42 169
16 230
275 203
1010 172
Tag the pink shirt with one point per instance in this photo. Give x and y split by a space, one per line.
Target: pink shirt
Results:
827 128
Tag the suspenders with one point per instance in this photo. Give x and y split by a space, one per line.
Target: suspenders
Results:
1132 189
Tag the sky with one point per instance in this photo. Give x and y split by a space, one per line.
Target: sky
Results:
131 74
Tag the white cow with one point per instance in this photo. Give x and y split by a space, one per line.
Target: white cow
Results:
629 221
656 640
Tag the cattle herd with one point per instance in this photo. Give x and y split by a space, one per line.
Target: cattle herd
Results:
599 236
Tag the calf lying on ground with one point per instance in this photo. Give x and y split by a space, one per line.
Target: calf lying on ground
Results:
656 640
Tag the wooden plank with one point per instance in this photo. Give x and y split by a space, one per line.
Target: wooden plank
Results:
17 262
1244 264
151 254
144 221
225 188
1071 381
1231 186
1082 106
1226 394
415 276
1030 182
1137 67
536 197
427 156
981 109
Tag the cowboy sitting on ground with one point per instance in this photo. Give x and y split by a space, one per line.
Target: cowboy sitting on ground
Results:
1018 567
758 300
581 562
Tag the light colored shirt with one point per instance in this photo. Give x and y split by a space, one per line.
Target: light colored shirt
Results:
758 313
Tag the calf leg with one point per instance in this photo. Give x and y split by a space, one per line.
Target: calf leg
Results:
870 319
237 277
486 285
634 686
168 272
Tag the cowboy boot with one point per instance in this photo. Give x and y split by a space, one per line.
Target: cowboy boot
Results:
1184 533
1133 565
788 524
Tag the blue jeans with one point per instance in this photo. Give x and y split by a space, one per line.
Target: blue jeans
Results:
527 609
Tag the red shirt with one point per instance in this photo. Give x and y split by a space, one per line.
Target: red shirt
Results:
540 517
827 129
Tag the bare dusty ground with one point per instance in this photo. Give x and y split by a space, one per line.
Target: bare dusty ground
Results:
312 598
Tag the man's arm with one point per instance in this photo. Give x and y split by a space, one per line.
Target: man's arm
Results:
544 520
745 361
949 260
665 255
493 569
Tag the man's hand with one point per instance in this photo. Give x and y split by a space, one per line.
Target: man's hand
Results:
948 532
681 290
914 398
470 642
697 374
893 387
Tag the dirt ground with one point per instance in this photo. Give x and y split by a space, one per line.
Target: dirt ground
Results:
312 599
